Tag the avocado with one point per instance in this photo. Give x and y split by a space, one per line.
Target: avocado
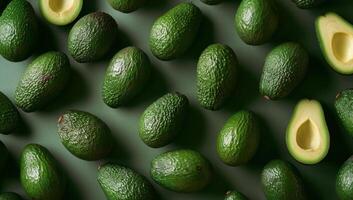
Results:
216 75
344 109
256 21
235 195
122 183
284 69
162 120
10 196
43 80
307 136
9 117
4 156
18 31
181 170
174 32
335 37
84 135
305 4
344 180
41 177
92 37
238 140
59 12
281 181
126 6
212 2
127 74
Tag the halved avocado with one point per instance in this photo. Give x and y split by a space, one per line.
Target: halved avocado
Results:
336 41
308 138
60 12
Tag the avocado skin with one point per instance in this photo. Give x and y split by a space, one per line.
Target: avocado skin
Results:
212 2
44 79
126 6
284 69
235 195
92 36
256 21
10 196
40 175
238 140
122 183
9 117
181 170
305 4
216 75
18 31
281 181
125 77
344 108
162 120
84 135
344 180
174 32
4 157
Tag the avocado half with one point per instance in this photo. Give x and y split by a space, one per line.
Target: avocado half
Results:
308 138
60 12
336 41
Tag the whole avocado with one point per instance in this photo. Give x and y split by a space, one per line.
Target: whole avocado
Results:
235 195
280 181
126 76
9 117
284 68
122 183
92 36
162 120
18 31
44 79
10 196
181 170
126 6
344 180
344 106
216 75
256 21
84 135
238 140
174 32
40 175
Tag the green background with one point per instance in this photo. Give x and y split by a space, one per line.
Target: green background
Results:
202 126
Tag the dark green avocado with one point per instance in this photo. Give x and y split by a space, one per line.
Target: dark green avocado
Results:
126 6
344 106
9 117
344 180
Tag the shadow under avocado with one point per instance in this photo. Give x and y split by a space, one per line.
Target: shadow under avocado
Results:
88 7
119 151
154 5
11 171
24 129
47 40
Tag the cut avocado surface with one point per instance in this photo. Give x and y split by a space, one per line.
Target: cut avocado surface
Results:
336 40
308 138
60 12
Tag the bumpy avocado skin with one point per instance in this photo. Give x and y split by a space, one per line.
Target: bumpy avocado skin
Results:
125 77
10 196
91 38
41 177
181 170
18 31
122 183
84 135
163 119
344 180
126 6
44 79
235 195
284 69
305 4
344 106
9 117
256 21
238 140
174 32
281 181
216 76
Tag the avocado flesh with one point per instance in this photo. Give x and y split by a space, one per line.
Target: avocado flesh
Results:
60 12
336 40
308 137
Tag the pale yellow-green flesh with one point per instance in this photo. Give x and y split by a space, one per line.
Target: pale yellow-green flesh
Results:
307 134
336 36
60 12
